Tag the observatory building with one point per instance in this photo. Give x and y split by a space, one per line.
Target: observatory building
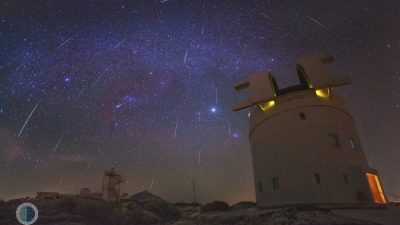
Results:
304 144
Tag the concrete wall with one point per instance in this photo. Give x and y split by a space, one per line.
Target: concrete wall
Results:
294 150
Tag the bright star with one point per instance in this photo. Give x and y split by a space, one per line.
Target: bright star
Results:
213 109
67 79
117 106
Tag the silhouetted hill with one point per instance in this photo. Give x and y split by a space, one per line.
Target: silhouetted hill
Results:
145 196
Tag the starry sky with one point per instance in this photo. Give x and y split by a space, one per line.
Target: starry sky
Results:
147 86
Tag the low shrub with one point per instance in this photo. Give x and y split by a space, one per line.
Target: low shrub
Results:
244 205
183 204
136 215
215 206
163 209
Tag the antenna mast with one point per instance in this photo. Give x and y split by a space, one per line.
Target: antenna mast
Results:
194 191
112 185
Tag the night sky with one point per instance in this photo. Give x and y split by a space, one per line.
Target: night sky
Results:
148 85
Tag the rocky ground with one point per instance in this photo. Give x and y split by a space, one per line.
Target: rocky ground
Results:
78 211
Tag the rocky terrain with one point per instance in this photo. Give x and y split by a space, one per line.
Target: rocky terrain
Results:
80 211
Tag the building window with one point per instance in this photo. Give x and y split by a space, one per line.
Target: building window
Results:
302 116
353 144
275 183
346 180
334 140
260 189
317 179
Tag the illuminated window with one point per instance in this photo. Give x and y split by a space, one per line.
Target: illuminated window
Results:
302 116
265 106
275 183
323 93
353 144
334 140
260 189
346 180
317 178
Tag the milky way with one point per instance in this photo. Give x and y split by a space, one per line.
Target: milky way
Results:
147 86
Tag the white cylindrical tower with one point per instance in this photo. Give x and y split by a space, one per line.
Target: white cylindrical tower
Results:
304 144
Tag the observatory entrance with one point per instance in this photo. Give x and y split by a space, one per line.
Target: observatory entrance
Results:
376 188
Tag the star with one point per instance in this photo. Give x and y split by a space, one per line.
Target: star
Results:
67 79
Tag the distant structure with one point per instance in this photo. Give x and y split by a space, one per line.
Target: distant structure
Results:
112 185
304 144
43 195
124 195
87 193
84 192
47 195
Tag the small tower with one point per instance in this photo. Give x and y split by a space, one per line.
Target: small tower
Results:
112 185
304 144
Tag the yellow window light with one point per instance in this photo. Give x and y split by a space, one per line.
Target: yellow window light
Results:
265 106
323 93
